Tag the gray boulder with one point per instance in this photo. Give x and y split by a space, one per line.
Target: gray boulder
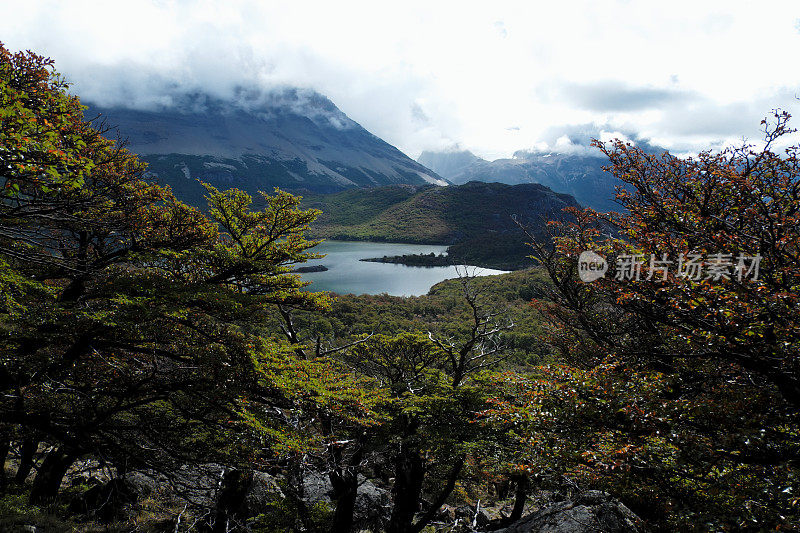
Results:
261 492
590 512
145 483
372 504
317 487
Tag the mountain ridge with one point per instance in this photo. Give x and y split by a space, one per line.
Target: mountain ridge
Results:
581 176
294 139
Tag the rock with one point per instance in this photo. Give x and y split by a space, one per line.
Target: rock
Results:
588 513
492 514
317 487
372 504
145 483
105 501
196 484
199 484
263 490
447 514
465 512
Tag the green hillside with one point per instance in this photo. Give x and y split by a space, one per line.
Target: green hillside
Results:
475 219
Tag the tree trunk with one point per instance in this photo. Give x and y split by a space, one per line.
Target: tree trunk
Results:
409 473
5 445
295 491
439 500
345 490
47 482
520 497
231 504
344 481
27 452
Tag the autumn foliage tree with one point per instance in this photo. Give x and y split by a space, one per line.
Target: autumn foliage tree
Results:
131 323
713 435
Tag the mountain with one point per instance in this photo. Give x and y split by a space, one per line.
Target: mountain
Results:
295 139
578 175
448 163
476 219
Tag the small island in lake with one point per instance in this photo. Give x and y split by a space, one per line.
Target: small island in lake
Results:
423 260
305 269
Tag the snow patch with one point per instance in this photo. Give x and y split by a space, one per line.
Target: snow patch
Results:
186 172
219 165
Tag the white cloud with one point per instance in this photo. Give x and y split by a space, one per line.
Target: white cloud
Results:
492 77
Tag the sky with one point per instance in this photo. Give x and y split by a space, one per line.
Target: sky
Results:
492 77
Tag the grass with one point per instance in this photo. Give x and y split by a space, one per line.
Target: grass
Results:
17 515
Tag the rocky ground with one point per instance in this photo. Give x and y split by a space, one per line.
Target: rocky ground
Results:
148 501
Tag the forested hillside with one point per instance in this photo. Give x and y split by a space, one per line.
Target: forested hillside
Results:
477 220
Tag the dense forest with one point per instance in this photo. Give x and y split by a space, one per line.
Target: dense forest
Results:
162 368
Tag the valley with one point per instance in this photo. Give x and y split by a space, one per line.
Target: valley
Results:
260 317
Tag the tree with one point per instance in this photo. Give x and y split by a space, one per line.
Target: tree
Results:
133 324
741 203
427 433
718 429
430 390
423 391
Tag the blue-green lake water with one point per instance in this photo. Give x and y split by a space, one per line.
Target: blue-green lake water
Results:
346 274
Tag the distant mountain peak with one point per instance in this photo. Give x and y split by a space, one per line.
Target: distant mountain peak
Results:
264 104
580 175
532 155
448 162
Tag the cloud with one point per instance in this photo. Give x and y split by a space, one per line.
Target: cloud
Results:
709 118
619 96
434 74
577 139
419 114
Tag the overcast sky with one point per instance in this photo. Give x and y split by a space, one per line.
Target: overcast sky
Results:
493 76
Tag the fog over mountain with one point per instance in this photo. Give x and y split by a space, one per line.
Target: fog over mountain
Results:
491 77
296 139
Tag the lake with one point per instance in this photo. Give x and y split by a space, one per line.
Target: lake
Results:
346 274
